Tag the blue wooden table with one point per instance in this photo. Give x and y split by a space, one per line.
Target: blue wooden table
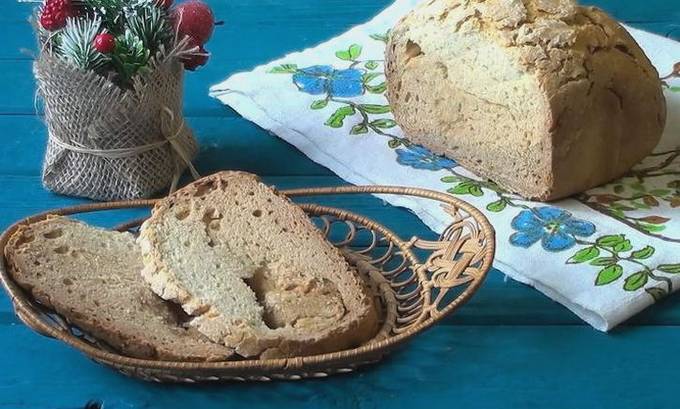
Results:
509 347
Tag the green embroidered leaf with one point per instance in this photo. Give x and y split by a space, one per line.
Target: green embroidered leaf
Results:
623 246
497 206
284 69
381 37
611 240
675 89
370 76
394 143
603 261
583 255
337 119
617 213
359 129
638 205
652 228
657 293
376 89
320 104
669 268
371 65
343 55
619 206
609 274
660 192
355 51
637 186
476 191
461 188
619 189
450 179
384 123
374 108
351 54
643 253
636 281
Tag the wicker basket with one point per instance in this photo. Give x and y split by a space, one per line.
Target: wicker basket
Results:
416 294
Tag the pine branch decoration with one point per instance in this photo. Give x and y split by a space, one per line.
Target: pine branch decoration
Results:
130 56
150 24
75 44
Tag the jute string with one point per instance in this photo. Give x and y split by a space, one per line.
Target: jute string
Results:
136 150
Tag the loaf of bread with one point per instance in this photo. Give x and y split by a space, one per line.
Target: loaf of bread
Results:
254 271
544 97
92 278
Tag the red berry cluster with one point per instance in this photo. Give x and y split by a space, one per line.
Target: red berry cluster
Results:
194 19
54 14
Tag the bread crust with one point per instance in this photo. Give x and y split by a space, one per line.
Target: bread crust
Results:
288 308
588 103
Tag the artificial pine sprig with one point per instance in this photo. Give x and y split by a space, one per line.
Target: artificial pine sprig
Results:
150 24
130 56
75 43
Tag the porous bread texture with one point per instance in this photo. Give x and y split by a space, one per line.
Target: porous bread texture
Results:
544 97
92 278
254 271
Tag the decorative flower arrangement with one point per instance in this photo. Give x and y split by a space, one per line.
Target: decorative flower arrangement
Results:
110 74
119 39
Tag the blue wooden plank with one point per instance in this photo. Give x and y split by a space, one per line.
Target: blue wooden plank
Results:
448 366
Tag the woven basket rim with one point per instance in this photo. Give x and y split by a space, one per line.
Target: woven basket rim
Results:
22 302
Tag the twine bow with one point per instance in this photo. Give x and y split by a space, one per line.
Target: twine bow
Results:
171 136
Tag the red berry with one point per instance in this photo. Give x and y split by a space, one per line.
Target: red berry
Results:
54 14
195 19
197 56
104 43
164 3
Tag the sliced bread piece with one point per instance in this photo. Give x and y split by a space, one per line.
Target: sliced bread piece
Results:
254 271
92 278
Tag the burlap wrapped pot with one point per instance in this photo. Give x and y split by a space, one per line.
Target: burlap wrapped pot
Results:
110 143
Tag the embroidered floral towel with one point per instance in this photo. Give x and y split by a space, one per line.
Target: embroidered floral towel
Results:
605 254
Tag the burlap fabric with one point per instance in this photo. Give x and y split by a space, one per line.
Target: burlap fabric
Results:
109 143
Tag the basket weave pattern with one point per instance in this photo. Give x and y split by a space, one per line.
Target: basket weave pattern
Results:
416 291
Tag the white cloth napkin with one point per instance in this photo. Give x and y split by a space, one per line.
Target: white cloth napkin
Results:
606 255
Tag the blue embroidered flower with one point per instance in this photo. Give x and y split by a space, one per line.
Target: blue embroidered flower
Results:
556 228
324 79
420 158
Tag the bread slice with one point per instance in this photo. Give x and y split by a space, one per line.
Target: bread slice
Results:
544 97
254 271
92 278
